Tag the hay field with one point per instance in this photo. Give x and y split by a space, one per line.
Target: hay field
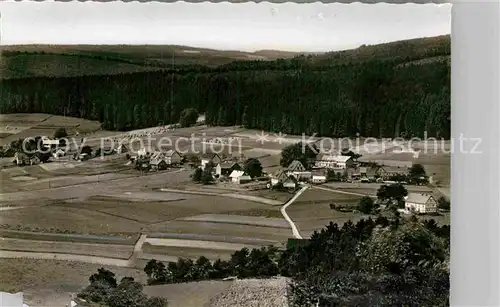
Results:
66 219
144 212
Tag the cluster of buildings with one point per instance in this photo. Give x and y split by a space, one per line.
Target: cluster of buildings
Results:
155 160
232 170
49 148
339 168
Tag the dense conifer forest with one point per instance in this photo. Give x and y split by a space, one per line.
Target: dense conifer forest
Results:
403 93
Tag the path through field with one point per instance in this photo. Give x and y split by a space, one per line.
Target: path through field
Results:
295 231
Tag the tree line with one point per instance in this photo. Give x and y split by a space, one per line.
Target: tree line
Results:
378 98
374 262
386 261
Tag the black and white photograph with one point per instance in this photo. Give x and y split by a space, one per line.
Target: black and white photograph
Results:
225 155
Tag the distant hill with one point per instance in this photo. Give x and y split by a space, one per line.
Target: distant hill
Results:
21 61
412 49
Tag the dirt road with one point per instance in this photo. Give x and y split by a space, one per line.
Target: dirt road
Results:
295 231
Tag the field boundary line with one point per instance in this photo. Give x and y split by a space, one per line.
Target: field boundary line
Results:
295 231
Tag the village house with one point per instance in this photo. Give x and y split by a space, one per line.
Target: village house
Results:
143 164
226 168
157 161
122 149
281 177
239 177
334 162
34 159
290 183
297 169
83 157
210 157
49 143
58 153
20 158
172 157
147 151
318 178
388 172
364 174
278 177
420 203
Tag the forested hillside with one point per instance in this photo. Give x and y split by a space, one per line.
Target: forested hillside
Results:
397 89
21 61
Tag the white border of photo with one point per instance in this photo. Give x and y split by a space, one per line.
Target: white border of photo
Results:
475 184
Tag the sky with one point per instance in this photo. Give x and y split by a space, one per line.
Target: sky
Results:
226 26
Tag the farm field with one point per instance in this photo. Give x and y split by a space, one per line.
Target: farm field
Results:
240 220
104 250
311 211
222 229
65 237
73 220
208 237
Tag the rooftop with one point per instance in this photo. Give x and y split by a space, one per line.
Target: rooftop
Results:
334 158
418 198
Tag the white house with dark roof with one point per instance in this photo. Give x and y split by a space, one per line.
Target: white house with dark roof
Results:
210 157
420 203
225 168
239 177
334 162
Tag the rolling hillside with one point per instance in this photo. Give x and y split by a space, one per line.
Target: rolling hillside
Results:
21 61
74 60
387 90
